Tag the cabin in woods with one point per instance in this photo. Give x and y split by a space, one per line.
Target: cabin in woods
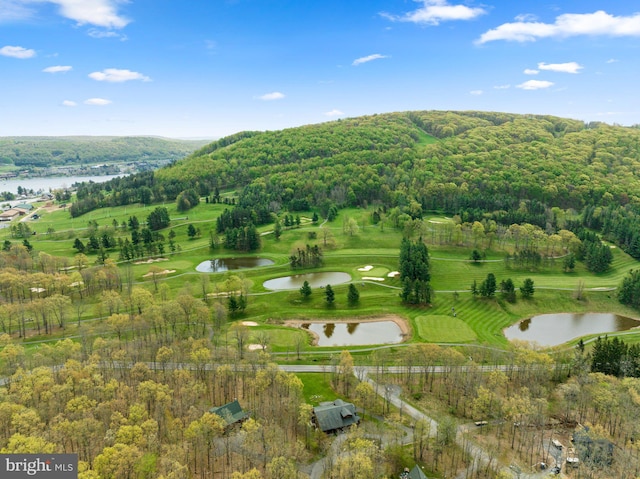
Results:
333 417
415 473
232 413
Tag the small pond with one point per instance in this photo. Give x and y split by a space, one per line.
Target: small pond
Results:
355 334
218 265
315 280
558 328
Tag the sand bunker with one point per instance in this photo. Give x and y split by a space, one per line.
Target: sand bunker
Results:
373 278
166 271
255 347
152 260
366 268
249 323
393 274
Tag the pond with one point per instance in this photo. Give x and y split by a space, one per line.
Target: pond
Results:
218 265
315 280
355 334
558 328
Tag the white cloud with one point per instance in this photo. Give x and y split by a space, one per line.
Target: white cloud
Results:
17 52
433 12
535 85
612 60
334 112
97 101
57 69
570 67
69 103
566 25
530 71
101 13
476 92
115 75
369 58
502 87
276 95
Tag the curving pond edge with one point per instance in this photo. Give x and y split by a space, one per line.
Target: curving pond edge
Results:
403 325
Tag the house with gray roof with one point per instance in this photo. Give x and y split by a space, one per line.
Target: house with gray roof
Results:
335 416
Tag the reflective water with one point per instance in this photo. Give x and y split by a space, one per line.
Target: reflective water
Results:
355 334
558 328
218 265
315 280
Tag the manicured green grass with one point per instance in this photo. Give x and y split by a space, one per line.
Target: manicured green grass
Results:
478 320
444 329
317 388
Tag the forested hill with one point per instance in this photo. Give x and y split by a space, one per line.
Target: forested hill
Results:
436 159
47 151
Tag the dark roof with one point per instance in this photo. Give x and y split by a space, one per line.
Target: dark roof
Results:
231 412
416 473
335 415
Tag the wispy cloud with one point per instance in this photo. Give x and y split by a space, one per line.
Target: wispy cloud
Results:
275 95
115 75
97 102
530 71
57 69
97 33
368 58
476 92
567 25
17 52
569 67
14 10
502 87
433 12
69 103
535 85
334 112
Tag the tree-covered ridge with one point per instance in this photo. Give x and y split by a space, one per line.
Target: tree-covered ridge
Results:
56 151
481 160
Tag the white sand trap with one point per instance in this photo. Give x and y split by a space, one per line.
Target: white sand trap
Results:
38 290
255 347
166 271
152 260
373 278
366 268
393 274
249 323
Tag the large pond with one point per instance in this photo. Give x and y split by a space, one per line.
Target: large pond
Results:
558 328
315 280
219 265
355 334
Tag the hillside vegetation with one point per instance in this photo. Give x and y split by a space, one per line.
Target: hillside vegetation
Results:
486 160
44 152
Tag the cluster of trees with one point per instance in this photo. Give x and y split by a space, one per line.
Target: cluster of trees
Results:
244 238
187 199
309 257
614 357
489 286
415 274
629 290
353 295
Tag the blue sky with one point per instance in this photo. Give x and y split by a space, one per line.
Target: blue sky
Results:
209 68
